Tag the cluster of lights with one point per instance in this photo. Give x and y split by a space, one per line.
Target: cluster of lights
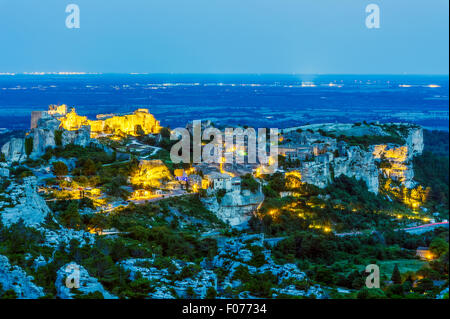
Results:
325 229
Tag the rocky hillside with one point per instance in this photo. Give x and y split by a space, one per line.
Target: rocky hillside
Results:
355 153
47 134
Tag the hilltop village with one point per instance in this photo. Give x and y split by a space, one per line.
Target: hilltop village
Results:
73 184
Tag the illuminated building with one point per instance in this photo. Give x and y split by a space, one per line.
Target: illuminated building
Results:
58 110
141 122
53 111
142 194
425 253
223 181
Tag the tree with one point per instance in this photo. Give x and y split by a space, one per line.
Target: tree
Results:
28 145
258 259
408 284
190 293
396 276
189 271
248 182
325 275
138 130
424 285
58 138
89 168
8 294
211 293
373 293
92 295
60 169
439 246
114 188
140 288
71 217
395 291
282 161
220 194
165 132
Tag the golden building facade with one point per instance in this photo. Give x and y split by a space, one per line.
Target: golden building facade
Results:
141 122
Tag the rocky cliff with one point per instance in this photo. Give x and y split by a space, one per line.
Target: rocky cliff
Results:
236 207
396 161
43 136
358 164
14 150
414 141
355 163
316 173
364 164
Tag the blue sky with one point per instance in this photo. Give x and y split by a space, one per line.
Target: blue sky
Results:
225 36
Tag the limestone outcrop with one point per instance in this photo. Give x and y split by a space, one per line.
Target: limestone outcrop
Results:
235 207
164 286
355 163
82 137
74 129
4 170
24 203
43 137
229 258
73 276
396 162
316 173
358 164
63 237
414 141
15 278
390 160
14 150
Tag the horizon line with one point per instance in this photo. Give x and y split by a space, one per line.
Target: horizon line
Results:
208 73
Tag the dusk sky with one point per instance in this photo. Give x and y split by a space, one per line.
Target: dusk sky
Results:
225 36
